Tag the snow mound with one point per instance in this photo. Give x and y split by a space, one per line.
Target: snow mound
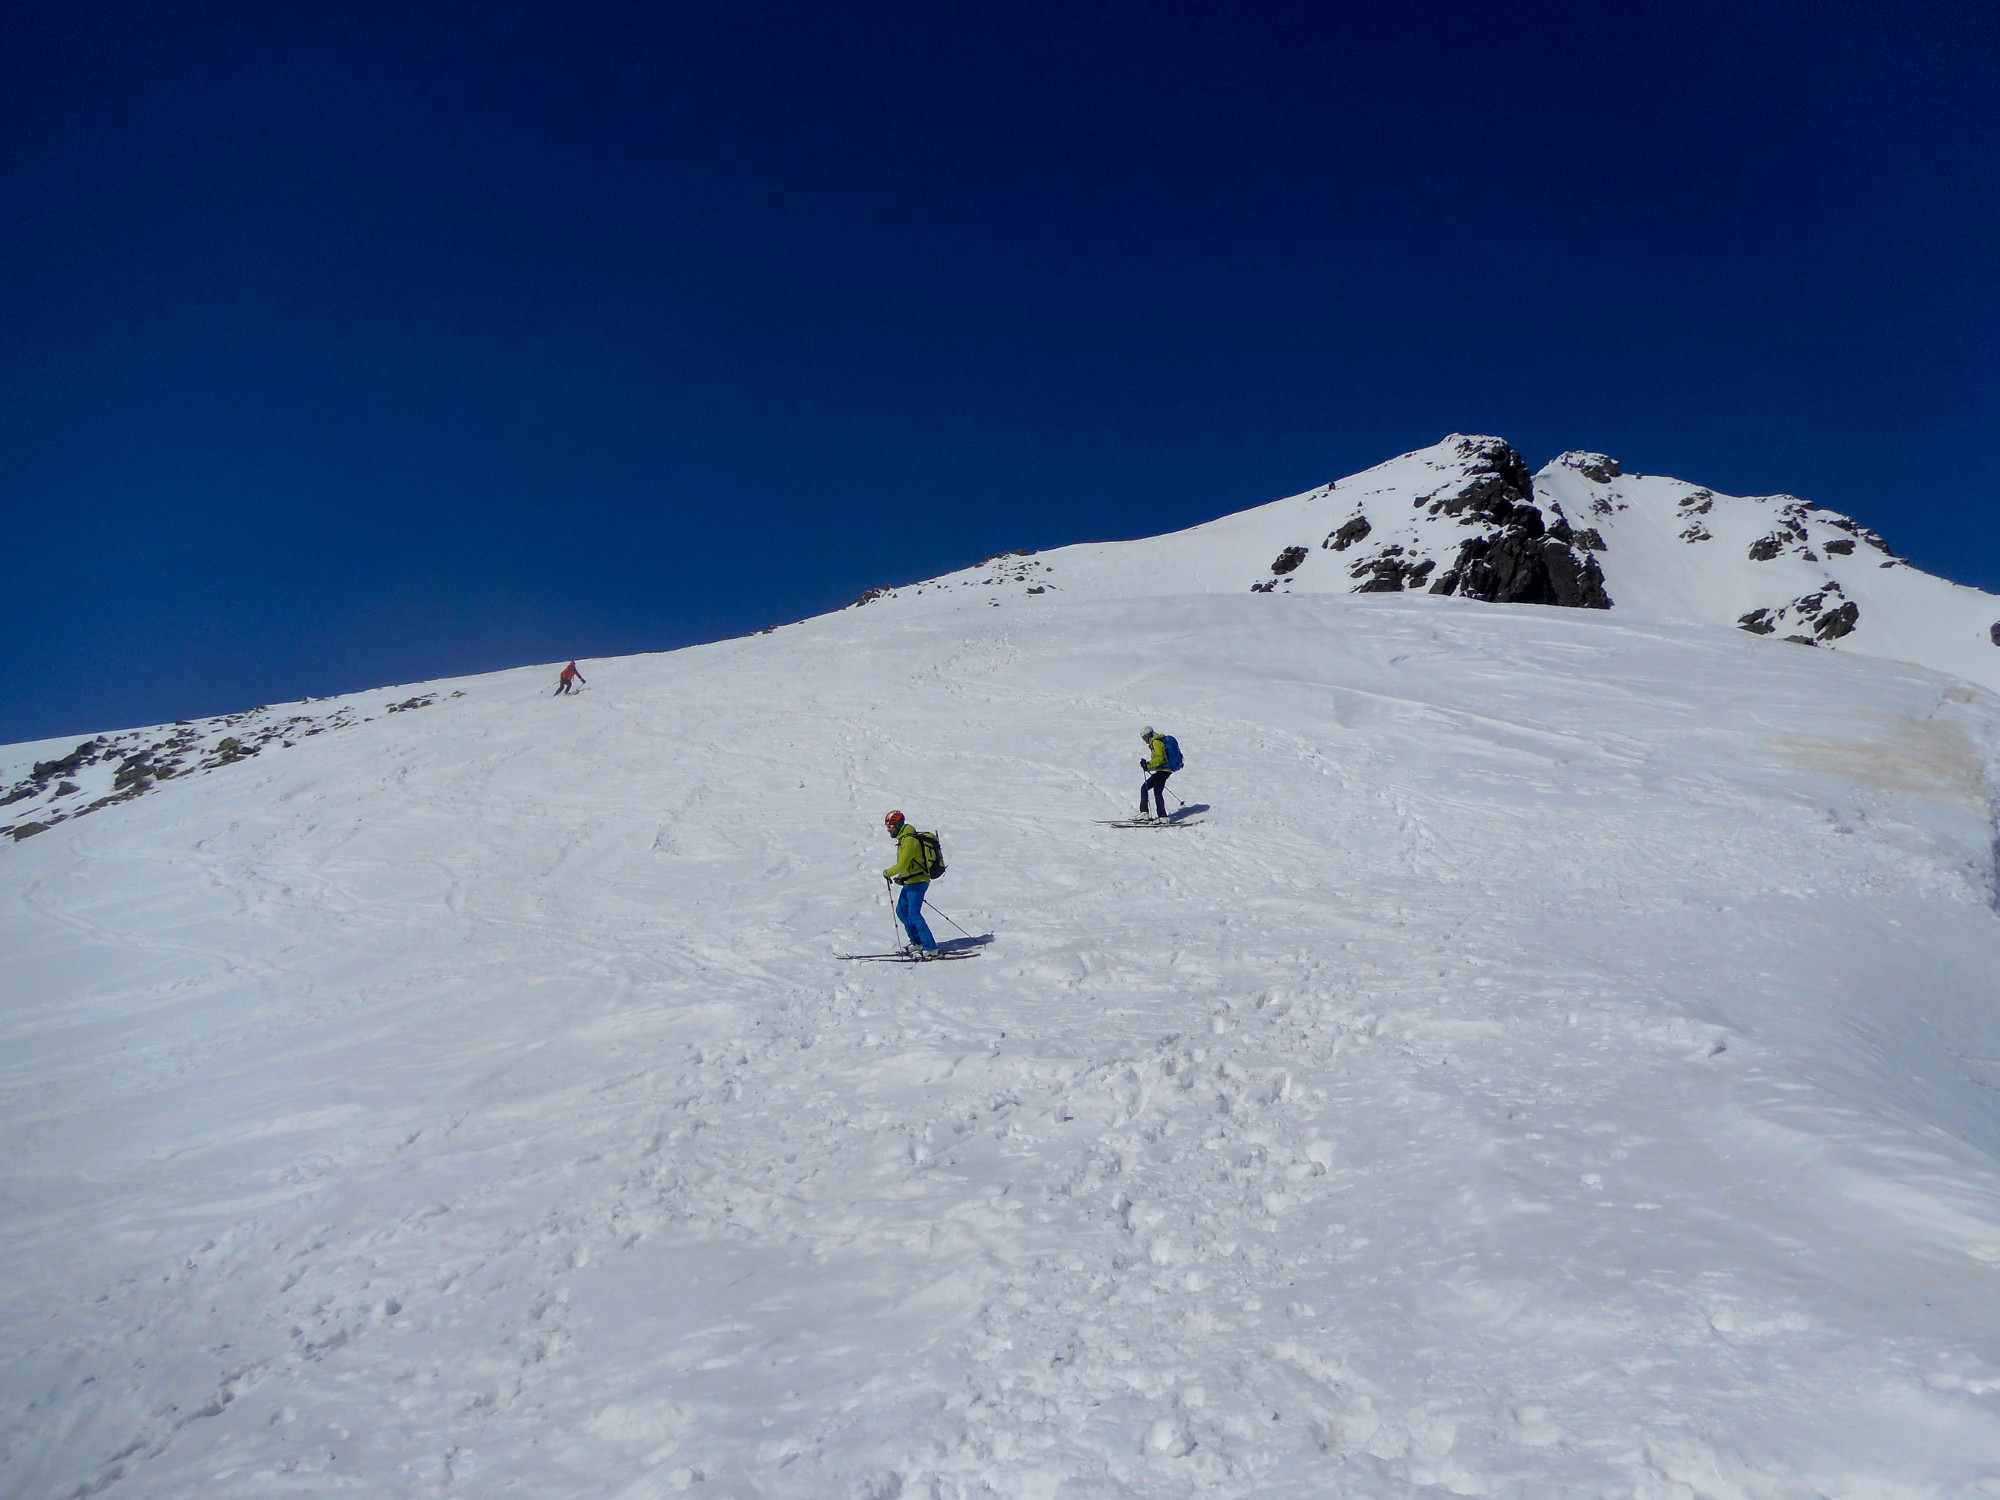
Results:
1561 1061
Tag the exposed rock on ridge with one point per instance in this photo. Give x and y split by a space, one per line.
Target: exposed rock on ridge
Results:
1522 558
1464 517
120 767
1517 552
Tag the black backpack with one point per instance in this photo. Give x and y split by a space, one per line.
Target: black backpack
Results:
933 853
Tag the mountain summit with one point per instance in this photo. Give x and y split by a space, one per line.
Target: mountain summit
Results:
1466 518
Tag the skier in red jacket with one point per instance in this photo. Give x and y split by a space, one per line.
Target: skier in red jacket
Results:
570 678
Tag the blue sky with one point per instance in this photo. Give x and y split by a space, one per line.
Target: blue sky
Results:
362 344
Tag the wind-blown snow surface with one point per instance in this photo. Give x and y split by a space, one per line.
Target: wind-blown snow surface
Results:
1562 1062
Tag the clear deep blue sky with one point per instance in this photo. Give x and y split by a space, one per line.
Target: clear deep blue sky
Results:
354 344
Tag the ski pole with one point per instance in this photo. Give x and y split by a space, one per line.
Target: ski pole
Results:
895 922
947 917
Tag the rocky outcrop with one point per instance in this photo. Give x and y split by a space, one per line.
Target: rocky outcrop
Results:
1509 548
37 780
1874 539
1520 557
1519 567
1836 623
1288 559
1598 466
1391 571
1347 535
1497 482
1825 615
137 761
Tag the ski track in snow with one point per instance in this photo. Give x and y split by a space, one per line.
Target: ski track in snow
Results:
1563 1063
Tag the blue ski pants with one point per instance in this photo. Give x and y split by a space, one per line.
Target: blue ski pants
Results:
910 912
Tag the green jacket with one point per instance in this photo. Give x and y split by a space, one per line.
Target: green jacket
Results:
909 866
1159 760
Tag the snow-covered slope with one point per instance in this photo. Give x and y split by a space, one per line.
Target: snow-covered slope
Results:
1462 518
1562 1061
1466 518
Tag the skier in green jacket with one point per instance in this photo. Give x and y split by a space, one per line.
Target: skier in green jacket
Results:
912 872
1157 771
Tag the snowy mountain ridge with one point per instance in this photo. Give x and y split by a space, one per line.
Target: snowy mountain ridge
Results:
1462 518
1465 518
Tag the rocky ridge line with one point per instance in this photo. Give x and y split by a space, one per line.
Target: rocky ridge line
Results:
120 767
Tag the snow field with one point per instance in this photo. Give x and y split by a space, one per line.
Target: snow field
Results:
1563 1063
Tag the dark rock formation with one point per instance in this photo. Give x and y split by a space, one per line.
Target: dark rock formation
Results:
1391 572
1765 548
1522 567
1598 466
1289 559
1353 531
1995 632
82 755
1836 623
37 780
1521 556
1497 483
142 760
1828 614
1874 539
1841 548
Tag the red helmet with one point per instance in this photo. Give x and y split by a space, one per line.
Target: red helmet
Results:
891 818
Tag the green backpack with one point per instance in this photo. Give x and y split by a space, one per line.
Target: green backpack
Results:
933 853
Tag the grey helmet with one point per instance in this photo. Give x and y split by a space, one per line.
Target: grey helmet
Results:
1146 733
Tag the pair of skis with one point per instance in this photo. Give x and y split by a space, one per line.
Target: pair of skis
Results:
1146 822
909 958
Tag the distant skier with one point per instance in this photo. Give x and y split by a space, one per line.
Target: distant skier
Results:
1163 758
570 678
917 860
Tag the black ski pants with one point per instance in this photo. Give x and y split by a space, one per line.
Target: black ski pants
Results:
1157 785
